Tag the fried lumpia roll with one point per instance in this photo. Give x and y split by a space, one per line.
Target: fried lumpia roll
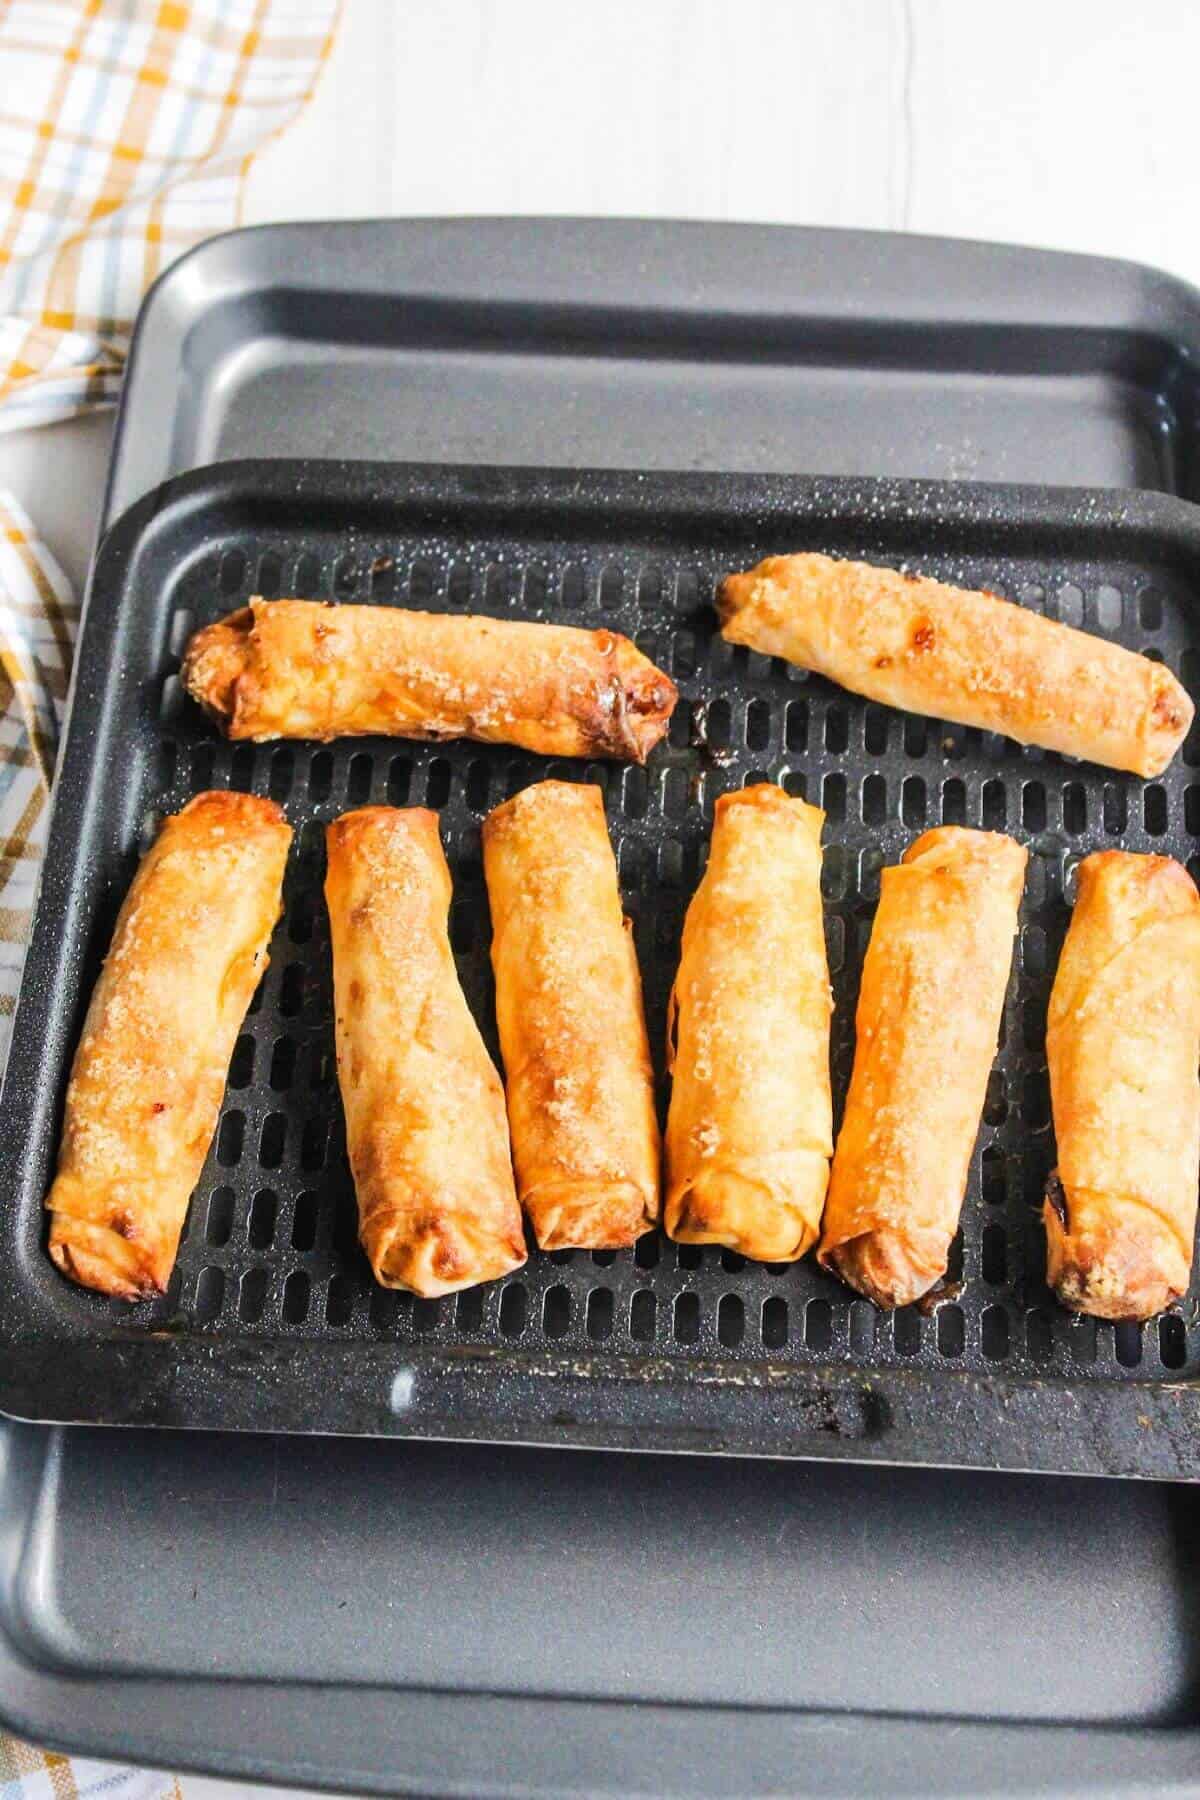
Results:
750 1127
572 1030
149 1075
960 655
425 1124
928 1020
308 669
1122 1043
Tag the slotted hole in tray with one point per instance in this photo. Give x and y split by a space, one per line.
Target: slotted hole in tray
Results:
276 1190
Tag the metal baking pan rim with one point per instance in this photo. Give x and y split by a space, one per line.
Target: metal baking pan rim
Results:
1079 1760
1176 287
1015 283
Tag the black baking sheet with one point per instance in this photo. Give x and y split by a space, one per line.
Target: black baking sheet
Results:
272 1320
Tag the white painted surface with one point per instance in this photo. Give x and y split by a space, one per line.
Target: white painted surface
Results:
1063 123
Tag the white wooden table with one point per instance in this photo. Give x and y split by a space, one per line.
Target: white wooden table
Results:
1062 123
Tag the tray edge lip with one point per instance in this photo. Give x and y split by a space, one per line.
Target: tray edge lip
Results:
478 1704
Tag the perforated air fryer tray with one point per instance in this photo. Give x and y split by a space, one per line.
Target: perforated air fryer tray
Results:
272 1320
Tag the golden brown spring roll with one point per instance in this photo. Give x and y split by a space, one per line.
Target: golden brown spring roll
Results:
928 1019
425 1124
572 1030
750 1127
968 657
309 669
1122 1043
149 1075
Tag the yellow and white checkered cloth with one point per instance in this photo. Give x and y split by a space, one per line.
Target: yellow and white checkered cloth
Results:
126 127
38 614
29 1774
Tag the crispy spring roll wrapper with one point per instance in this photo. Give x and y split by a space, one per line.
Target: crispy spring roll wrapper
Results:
960 655
311 669
1122 1043
750 1127
425 1124
146 1086
572 1029
928 1020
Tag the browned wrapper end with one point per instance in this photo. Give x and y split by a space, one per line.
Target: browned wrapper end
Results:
730 1207
1128 1265
440 1257
1168 720
99 1257
636 711
216 659
892 1268
736 593
602 1215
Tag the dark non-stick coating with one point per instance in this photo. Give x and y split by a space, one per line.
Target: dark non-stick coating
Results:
272 1320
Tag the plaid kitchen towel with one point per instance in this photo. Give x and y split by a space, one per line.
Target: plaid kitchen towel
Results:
126 127
29 1774
38 614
